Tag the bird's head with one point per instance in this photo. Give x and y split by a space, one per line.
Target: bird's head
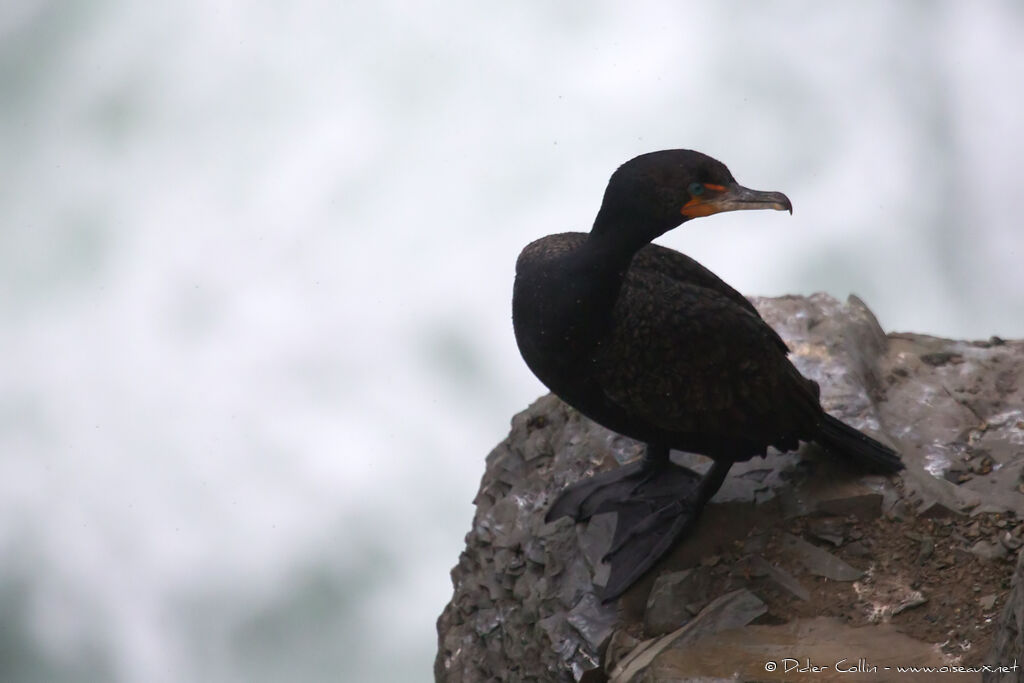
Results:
658 191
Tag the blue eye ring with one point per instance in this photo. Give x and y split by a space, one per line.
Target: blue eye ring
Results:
695 189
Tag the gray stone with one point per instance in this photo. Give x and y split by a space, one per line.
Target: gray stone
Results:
926 549
858 549
850 498
937 510
730 611
820 562
989 551
667 605
485 621
595 539
914 599
1009 541
591 620
781 577
831 529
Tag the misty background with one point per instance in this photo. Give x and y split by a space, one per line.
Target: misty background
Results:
256 264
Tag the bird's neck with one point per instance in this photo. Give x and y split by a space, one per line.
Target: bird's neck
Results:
613 241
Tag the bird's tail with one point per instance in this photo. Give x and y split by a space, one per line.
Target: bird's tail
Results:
842 439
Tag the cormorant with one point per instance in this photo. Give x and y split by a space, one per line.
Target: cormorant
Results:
649 343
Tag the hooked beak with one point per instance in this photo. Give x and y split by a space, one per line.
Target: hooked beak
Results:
734 198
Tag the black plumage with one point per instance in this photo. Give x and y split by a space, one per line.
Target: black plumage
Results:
647 342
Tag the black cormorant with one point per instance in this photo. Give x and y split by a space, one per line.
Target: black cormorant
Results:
651 344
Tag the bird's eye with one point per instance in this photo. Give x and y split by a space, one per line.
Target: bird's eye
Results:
695 189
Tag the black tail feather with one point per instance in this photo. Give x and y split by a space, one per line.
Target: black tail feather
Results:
842 439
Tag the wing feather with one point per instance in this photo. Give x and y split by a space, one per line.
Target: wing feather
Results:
689 359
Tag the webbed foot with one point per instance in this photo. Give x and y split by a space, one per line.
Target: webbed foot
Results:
644 532
633 482
657 503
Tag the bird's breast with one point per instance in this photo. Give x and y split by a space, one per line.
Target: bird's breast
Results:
559 322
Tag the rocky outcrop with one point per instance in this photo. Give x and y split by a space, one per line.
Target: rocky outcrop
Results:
797 562
1008 645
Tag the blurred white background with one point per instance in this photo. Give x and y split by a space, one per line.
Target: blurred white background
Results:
257 260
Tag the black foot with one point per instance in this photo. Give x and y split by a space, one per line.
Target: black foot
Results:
646 528
659 483
656 502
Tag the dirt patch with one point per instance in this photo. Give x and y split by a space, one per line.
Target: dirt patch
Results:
939 580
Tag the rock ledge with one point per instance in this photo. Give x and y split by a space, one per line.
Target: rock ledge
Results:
796 559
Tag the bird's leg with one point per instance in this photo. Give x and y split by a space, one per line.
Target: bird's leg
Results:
656 457
712 481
